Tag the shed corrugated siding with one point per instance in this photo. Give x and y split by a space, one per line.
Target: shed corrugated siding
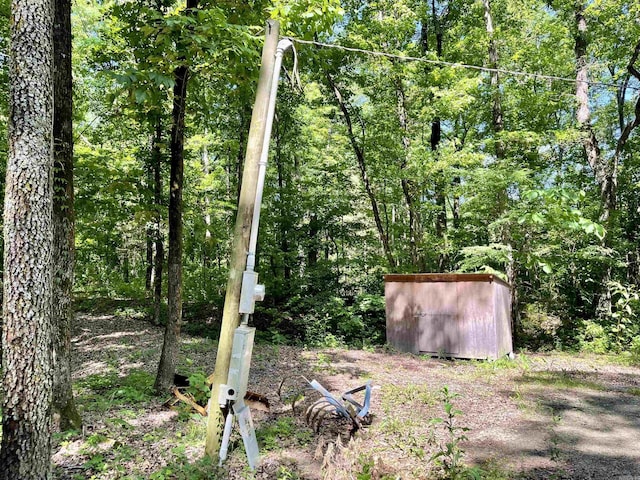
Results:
502 313
401 324
465 316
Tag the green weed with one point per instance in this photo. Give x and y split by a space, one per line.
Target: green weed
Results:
283 432
449 454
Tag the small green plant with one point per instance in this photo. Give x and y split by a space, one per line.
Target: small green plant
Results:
555 439
450 454
96 463
285 473
199 388
274 436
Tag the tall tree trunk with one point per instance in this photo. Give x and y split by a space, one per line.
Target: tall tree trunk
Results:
441 199
28 238
359 152
171 346
407 185
156 153
148 280
148 284
605 172
63 219
284 231
497 124
436 137
208 238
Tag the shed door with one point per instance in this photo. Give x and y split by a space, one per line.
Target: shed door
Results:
436 311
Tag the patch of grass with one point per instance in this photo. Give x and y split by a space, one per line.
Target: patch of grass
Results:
100 392
518 397
407 394
282 433
633 391
323 364
521 362
181 469
559 380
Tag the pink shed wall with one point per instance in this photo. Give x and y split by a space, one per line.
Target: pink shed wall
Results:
457 315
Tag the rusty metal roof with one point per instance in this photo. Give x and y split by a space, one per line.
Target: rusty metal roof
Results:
444 277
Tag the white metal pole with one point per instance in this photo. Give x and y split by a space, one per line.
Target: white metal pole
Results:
282 47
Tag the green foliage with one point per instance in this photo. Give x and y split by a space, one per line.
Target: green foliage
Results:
282 433
531 211
199 388
618 332
106 390
449 456
307 18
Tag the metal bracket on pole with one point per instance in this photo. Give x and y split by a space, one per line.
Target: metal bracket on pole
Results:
250 293
232 396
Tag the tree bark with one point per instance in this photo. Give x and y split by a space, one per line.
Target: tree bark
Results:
158 237
605 172
28 237
171 346
497 124
283 222
63 219
148 281
359 152
407 185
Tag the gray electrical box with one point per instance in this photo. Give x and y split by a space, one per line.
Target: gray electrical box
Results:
250 292
240 361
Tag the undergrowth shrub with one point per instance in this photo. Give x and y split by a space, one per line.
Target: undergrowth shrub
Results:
619 331
329 320
539 328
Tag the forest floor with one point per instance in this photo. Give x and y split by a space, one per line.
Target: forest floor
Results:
540 416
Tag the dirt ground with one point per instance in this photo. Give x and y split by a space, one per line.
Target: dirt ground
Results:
538 417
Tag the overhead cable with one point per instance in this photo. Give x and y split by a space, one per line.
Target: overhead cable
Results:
407 58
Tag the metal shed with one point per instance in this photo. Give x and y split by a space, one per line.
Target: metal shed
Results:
464 315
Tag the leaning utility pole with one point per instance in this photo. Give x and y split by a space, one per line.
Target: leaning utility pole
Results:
241 234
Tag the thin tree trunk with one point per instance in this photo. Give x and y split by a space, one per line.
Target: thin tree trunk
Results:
63 220
407 185
171 346
158 240
436 137
384 238
208 238
27 387
148 281
284 231
605 172
497 124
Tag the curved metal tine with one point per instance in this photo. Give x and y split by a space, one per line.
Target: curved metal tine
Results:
312 408
320 412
